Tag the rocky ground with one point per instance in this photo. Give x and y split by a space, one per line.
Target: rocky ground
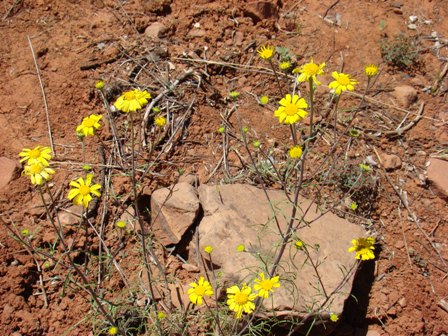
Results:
152 43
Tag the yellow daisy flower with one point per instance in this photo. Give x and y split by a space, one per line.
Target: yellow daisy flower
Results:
132 101
310 70
295 152
161 315
89 125
241 300
160 121
121 224
241 248
82 191
208 249
342 82
25 232
371 70
291 109
298 244
112 331
363 247
285 65
38 173
198 290
265 285
334 317
99 85
266 52
38 154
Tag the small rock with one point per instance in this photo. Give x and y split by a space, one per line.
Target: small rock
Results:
8 170
156 30
173 211
405 95
71 216
391 161
373 333
190 268
238 38
437 174
402 302
197 33
260 10
189 178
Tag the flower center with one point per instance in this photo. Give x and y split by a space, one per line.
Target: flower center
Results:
84 190
130 95
199 290
241 298
89 123
34 154
344 80
266 285
311 69
36 168
291 109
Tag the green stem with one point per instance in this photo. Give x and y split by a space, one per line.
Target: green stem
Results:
336 117
276 78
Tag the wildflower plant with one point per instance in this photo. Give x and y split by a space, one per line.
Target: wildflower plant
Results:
132 101
291 109
241 300
364 248
82 191
199 290
39 154
89 125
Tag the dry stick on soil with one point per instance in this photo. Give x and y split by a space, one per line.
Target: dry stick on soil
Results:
180 79
410 213
43 95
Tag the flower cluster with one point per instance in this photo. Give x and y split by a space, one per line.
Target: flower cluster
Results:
37 166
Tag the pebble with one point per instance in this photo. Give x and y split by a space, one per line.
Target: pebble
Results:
405 95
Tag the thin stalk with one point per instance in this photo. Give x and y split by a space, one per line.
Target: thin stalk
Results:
276 77
142 227
364 94
336 118
78 271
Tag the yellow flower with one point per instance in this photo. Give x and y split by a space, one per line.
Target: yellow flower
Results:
364 167
334 317
234 95
353 206
241 248
342 82
121 224
89 125
295 152
198 290
161 315
38 173
265 285
371 70
299 244
160 121
240 300
132 101
291 109
266 52
38 154
112 331
264 100
285 65
208 249
221 129
310 70
363 247
99 85
25 232
256 143
82 191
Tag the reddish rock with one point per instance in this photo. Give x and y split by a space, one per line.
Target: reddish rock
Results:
438 174
405 95
391 161
8 171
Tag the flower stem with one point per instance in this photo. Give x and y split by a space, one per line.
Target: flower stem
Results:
276 78
336 117
311 86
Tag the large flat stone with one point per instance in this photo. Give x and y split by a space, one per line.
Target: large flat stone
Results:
240 214
8 170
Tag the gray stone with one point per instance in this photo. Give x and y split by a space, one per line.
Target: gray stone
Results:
240 214
8 171
173 211
437 174
405 95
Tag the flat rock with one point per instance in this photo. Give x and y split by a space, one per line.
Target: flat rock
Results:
8 171
261 10
240 214
156 30
437 174
405 95
173 211
391 161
